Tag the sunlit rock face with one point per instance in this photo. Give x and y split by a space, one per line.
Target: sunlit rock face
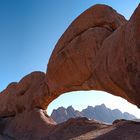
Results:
100 50
73 63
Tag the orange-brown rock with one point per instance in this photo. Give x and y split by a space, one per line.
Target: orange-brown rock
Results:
25 95
72 64
29 125
100 50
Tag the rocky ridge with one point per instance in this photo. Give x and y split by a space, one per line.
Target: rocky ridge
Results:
99 112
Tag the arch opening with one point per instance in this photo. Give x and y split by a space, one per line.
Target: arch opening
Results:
93 105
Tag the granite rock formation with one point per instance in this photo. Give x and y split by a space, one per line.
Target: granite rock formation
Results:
99 51
99 113
63 114
104 114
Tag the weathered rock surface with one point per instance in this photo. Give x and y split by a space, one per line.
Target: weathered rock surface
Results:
71 66
29 125
99 51
123 130
22 96
73 129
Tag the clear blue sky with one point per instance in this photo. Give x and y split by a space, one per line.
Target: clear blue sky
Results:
29 30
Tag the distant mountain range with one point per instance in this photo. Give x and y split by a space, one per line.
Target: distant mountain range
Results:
99 112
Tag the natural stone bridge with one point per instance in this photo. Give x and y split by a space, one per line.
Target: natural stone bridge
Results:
100 50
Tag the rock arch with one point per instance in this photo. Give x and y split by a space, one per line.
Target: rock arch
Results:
99 51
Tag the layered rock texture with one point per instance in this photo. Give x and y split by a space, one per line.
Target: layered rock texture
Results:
100 50
99 112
